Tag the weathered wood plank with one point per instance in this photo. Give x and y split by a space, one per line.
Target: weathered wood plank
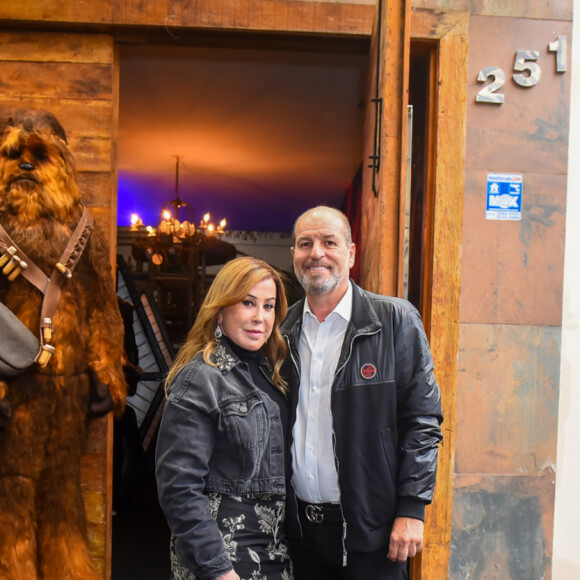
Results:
93 469
443 316
348 18
57 80
75 79
380 214
96 187
259 15
88 118
97 11
381 259
91 154
78 48
103 217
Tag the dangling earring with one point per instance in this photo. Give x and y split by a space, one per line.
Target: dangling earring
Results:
222 359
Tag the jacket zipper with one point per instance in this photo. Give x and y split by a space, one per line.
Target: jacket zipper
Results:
291 478
344 524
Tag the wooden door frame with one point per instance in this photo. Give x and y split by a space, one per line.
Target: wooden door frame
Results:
448 32
383 225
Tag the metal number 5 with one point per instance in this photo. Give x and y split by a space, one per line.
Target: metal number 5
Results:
525 61
489 93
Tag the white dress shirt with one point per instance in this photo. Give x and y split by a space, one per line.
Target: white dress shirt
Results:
315 477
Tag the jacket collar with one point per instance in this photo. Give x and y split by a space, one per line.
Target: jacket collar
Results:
363 320
225 359
364 317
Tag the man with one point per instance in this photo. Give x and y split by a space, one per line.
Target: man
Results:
366 416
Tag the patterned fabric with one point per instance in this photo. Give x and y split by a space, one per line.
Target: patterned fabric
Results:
253 533
224 361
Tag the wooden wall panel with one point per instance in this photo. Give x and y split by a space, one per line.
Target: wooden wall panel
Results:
29 47
381 225
85 117
447 165
57 10
381 250
57 80
74 77
281 15
260 15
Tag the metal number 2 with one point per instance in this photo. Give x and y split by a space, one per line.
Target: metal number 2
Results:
489 93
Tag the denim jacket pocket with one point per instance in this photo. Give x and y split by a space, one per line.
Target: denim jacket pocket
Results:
245 423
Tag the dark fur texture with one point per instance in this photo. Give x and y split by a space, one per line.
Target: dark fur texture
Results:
42 520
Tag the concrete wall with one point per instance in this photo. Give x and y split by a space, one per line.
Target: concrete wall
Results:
511 302
566 557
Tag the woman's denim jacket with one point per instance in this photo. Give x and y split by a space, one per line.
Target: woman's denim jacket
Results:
219 433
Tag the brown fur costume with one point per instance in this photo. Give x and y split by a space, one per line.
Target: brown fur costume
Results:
46 410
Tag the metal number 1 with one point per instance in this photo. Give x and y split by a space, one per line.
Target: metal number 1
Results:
559 46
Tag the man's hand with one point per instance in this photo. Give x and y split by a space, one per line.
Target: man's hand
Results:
406 539
231 575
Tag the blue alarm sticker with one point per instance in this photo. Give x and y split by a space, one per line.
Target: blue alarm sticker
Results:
504 196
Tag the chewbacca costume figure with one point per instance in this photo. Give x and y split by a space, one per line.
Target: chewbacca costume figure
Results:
45 411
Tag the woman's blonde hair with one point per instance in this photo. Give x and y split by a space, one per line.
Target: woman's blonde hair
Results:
231 285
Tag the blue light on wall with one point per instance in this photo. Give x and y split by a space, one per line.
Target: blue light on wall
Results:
132 199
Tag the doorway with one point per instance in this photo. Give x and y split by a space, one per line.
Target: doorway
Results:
444 143
265 128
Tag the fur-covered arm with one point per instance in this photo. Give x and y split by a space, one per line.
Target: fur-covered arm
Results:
105 343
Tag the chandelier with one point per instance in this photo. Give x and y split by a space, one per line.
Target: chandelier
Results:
175 231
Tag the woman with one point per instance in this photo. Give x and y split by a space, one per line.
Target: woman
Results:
220 453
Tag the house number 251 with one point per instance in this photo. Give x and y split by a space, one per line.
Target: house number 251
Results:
527 72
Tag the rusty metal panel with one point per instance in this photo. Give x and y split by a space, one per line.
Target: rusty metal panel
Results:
507 399
502 528
529 131
512 272
557 10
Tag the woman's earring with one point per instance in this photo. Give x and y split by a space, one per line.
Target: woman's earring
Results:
218 332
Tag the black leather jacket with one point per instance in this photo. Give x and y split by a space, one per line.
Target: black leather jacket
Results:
386 413
219 433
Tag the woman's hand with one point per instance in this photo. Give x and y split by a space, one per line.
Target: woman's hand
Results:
231 575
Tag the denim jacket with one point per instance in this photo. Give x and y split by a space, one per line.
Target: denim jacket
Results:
219 433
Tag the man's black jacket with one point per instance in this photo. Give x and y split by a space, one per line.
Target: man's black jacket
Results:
386 416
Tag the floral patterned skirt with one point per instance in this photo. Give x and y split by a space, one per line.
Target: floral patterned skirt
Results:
253 533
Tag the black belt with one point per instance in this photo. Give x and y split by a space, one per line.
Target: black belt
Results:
318 513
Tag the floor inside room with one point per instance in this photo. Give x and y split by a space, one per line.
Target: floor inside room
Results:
140 536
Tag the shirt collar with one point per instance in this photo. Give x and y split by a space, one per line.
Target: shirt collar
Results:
343 308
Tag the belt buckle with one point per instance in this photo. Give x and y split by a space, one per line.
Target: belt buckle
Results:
314 514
